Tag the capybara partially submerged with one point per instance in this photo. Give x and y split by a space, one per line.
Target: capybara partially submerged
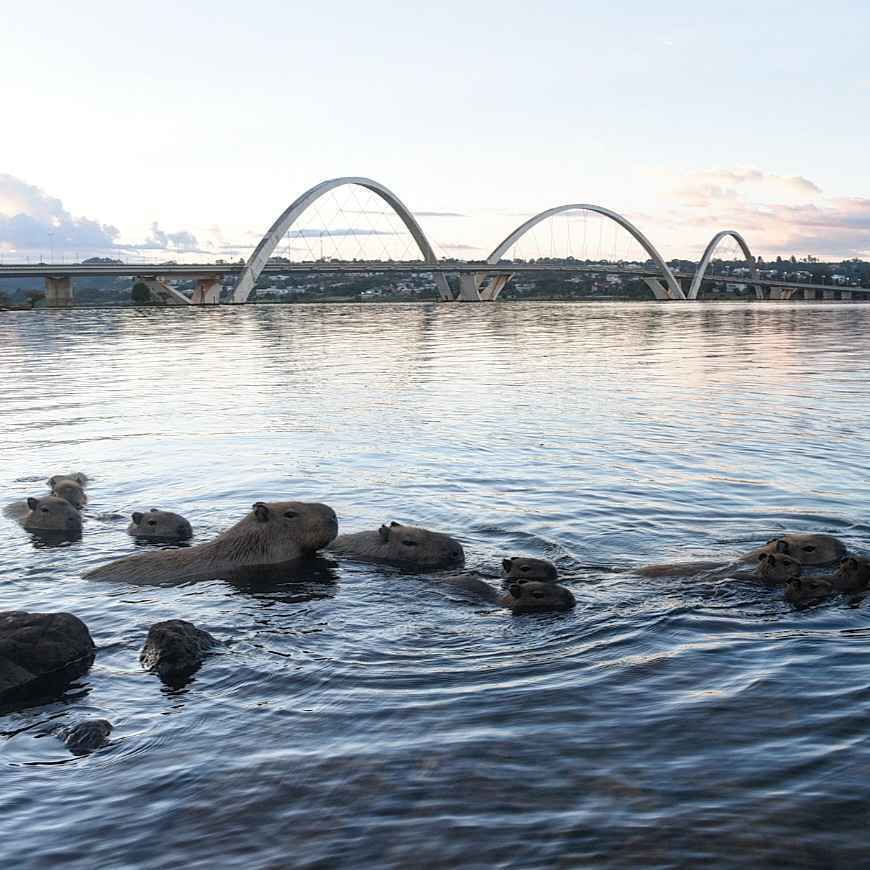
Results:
160 525
807 590
524 568
175 648
69 488
271 533
406 547
75 476
853 575
46 514
522 596
774 569
808 550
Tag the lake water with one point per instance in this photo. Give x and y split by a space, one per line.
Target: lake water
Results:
360 718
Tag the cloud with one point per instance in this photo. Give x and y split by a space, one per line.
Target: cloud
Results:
458 246
439 214
30 219
316 233
178 241
703 189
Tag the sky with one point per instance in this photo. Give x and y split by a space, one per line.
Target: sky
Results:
163 128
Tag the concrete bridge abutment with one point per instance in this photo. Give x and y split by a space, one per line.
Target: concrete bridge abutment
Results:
58 291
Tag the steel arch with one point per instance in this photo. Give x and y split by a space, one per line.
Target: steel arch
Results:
695 287
673 289
276 232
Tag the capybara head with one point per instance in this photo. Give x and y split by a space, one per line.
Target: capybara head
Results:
777 567
807 589
853 575
162 525
52 514
808 549
306 525
71 490
535 596
523 568
413 547
74 476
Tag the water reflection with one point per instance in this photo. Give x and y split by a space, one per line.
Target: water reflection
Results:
382 721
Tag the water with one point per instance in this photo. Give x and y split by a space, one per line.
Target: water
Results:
359 718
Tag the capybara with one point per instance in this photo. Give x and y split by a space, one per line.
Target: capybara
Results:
70 489
407 547
271 533
853 575
48 513
524 568
522 596
806 590
159 525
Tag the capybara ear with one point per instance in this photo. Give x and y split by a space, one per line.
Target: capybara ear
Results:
154 510
32 503
394 524
781 546
79 478
849 563
506 564
261 511
384 532
137 517
762 557
516 590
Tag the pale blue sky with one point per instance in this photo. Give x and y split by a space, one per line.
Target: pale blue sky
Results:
209 118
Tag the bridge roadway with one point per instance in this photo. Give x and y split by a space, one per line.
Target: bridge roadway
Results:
216 271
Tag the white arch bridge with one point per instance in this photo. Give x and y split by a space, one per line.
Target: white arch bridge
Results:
478 281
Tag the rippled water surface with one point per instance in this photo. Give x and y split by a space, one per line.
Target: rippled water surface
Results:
357 717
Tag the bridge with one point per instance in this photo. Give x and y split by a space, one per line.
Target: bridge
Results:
477 280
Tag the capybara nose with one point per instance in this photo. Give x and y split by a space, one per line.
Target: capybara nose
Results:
516 590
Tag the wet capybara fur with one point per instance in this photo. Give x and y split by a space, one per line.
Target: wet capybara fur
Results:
160 525
853 575
522 596
407 547
46 514
774 569
524 568
270 534
808 549
69 489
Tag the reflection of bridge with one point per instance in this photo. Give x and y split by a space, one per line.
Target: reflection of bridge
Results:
479 281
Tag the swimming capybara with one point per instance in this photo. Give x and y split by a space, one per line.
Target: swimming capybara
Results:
270 534
522 596
806 549
524 568
46 514
159 525
853 575
70 488
407 547
776 568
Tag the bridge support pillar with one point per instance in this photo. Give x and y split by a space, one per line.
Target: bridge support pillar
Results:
809 294
846 295
493 290
827 294
207 291
443 288
776 293
58 291
161 292
659 290
469 286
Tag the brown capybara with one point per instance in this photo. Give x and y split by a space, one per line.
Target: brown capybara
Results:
522 596
71 488
75 476
524 568
159 526
272 533
46 514
806 590
774 569
807 549
407 547
853 575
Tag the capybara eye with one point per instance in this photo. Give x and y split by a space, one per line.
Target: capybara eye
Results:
537 595
410 543
152 522
808 548
44 510
525 568
290 514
